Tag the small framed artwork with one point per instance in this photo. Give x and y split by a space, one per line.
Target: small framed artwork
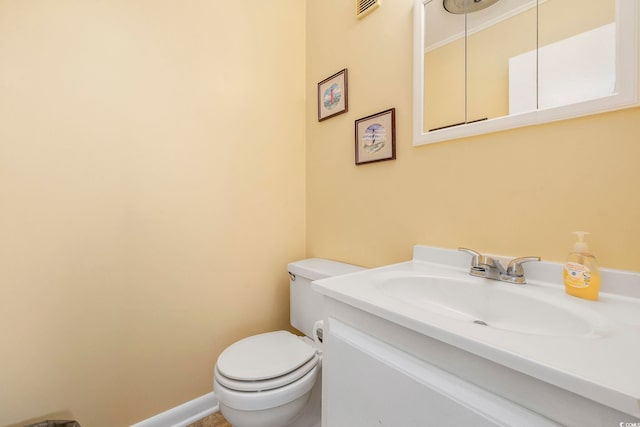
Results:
333 96
376 137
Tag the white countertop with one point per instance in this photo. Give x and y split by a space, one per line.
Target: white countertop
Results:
603 366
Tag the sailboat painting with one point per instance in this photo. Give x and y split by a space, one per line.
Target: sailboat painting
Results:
333 96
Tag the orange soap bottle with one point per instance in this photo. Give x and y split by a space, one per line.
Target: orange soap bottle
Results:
581 272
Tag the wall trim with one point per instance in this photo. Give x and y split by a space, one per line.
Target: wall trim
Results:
185 414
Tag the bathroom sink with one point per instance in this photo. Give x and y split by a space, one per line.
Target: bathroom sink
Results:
487 304
588 348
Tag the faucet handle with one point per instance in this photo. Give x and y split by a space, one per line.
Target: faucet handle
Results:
515 272
476 257
478 262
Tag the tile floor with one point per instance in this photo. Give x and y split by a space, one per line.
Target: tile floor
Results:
213 420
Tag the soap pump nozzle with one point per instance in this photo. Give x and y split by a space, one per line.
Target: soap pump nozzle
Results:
580 245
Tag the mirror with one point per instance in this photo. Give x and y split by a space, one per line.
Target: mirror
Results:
516 63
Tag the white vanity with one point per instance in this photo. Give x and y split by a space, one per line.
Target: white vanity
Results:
423 343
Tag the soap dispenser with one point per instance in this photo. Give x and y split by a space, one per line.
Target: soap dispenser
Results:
581 273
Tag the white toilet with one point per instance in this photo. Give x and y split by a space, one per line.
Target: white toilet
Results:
273 379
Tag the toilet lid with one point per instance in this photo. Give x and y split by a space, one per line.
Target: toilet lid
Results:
264 356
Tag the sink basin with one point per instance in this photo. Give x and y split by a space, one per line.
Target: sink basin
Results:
489 303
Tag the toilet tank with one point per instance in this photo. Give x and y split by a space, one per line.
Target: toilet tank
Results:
305 303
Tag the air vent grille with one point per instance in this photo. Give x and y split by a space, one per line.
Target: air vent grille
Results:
364 7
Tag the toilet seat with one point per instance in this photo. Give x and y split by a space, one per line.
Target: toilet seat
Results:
265 362
269 384
256 401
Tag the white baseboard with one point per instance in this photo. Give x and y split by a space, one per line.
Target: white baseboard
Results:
185 414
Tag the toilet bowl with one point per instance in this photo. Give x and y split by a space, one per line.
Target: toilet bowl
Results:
266 380
274 379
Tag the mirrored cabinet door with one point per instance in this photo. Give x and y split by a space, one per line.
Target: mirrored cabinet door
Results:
577 56
444 68
497 34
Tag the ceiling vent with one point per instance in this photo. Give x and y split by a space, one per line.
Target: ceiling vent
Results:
364 7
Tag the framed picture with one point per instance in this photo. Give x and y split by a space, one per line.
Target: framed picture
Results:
376 137
333 96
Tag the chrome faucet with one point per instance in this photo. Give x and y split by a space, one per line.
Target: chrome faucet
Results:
485 266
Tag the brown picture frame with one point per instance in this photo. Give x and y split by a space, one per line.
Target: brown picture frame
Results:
333 95
376 137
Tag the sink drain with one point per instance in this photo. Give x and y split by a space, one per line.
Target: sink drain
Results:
480 322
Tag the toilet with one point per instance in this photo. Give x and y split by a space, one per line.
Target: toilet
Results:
274 379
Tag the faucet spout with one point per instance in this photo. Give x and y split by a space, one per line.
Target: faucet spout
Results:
494 263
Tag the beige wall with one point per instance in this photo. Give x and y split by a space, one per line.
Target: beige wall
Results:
149 151
518 192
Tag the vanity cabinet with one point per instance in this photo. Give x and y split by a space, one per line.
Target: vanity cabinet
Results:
373 383
379 373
